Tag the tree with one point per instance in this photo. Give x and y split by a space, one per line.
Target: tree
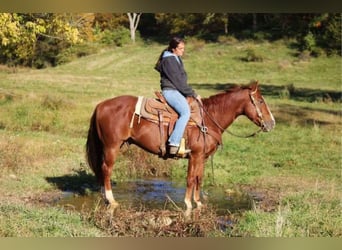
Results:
217 18
26 37
134 19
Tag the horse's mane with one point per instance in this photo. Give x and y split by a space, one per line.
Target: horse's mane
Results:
214 98
221 98
232 89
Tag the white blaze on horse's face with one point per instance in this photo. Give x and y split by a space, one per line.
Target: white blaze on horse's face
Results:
265 118
270 123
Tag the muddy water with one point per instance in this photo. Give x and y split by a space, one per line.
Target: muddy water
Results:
157 193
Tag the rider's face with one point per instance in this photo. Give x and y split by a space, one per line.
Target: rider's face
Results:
179 51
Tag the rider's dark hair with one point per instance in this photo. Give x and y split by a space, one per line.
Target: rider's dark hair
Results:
174 42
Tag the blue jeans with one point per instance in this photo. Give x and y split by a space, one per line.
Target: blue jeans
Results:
179 103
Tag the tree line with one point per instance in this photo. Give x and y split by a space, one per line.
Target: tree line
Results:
43 39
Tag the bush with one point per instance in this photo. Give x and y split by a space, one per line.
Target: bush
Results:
318 52
253 56
76 51
304 55
118 37
227 40
309 42
259 36
195 44
331 37
323 36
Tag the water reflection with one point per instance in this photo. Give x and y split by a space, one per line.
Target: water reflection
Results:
154 193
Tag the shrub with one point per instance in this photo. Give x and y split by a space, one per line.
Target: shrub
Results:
309 42
227 40
76 51
318 52
253 56
331 37
118 37
304 55
261 36
195 44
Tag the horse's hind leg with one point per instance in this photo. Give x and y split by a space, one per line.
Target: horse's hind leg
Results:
110 155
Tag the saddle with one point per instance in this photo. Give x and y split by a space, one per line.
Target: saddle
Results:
158 111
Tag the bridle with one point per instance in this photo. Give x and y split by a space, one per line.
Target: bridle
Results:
257 109
259 113
204 129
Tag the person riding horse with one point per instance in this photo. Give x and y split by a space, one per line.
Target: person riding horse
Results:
175 89
107 133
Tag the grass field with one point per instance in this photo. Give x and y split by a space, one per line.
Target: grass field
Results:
44 118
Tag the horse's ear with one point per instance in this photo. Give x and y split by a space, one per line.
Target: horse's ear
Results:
254 86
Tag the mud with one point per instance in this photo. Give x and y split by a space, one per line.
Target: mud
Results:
161 194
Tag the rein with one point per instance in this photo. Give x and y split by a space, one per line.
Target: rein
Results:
244 136
222 129
204 129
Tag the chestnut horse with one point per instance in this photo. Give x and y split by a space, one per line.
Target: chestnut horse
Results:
110 129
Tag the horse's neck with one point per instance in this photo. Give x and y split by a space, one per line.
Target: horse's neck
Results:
226 108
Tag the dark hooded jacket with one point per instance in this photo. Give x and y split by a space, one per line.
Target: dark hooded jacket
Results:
173 75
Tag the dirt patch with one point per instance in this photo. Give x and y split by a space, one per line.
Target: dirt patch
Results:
155 223
264 198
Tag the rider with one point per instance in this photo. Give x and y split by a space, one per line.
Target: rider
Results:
175 89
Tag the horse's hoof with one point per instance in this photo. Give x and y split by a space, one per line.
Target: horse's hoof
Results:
187 214
112 206
199 205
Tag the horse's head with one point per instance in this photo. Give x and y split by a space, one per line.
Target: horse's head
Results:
257 110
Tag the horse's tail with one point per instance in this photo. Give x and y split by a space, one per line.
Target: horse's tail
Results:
94 149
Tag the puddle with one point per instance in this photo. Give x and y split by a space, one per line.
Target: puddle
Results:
152 193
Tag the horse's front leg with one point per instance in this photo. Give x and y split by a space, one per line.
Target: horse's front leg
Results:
194 180
198 182
189 187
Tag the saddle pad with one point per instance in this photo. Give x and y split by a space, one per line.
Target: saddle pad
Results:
151 108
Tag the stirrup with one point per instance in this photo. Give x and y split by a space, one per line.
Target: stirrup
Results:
181 150
175 150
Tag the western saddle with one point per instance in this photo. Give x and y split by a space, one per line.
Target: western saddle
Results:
157 110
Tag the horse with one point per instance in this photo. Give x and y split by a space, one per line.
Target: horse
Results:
110 129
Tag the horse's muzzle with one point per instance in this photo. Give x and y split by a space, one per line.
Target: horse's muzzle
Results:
267 126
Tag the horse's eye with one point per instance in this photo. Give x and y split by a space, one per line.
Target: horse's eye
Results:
261 101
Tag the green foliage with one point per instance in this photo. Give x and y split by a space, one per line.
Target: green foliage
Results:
261 36
33 39
42 222
41 40
224 39
253 56
118 37
195 44
323 35
309 215
309 42
76 51
331 38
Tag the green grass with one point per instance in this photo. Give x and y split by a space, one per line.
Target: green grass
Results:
44 118
43 222
304 215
